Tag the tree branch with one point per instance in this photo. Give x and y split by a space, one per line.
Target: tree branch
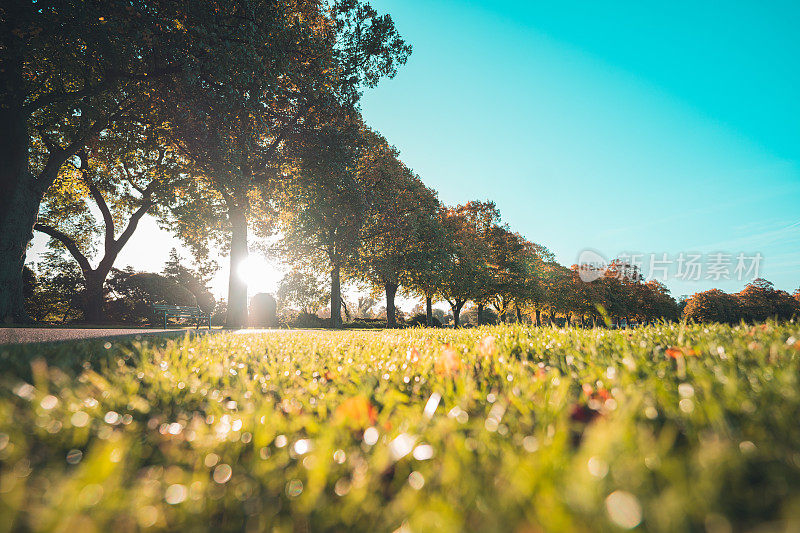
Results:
134 221
97 196
93 90
53 147
56 159
68 242
129 178
117 245
273 147
56 96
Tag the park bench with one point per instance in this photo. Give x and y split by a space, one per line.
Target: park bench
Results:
182 311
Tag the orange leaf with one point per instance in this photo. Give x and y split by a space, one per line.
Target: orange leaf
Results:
676 351
448 363
357 412
486 347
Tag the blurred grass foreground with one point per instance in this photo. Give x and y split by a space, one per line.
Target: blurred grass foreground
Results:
663 428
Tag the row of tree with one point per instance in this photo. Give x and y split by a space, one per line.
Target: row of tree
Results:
388 232
757 302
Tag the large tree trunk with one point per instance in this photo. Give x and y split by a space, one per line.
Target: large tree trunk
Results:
18 215
457 313
237 287
538 317
480 313
19 199
519 315
391 313
93 304
429 311
336 297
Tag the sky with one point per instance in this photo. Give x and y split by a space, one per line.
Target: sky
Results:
638 127
621 127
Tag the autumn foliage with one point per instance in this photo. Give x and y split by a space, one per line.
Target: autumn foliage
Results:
758 301
448 363
357 412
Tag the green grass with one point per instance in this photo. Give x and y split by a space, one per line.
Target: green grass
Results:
535 429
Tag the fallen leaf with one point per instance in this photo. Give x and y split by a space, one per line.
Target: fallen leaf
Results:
486 346
448 363
676 352
357 412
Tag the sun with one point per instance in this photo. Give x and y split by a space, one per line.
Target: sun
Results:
260 275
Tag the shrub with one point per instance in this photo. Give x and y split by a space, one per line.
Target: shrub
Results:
263 311
137 292
420 319
366 323
308 320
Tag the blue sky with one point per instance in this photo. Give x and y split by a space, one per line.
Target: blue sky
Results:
638 127
655 128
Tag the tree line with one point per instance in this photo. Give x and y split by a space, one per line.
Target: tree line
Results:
757 302
236 124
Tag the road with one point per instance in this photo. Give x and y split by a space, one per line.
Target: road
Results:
27 335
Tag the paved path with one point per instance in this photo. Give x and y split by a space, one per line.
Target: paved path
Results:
26 335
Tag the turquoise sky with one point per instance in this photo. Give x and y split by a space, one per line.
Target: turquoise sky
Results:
635 126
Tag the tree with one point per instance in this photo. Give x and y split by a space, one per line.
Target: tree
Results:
324 207
124 174
393 244
133 295
760 300
535 293
427 275
363 307
654 302
469 315
194 280
293 60
70 70
559 296
584 297
303 289
713 306
466 271
55 290
509 276
618 294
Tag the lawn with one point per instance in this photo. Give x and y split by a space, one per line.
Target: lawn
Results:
666 428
